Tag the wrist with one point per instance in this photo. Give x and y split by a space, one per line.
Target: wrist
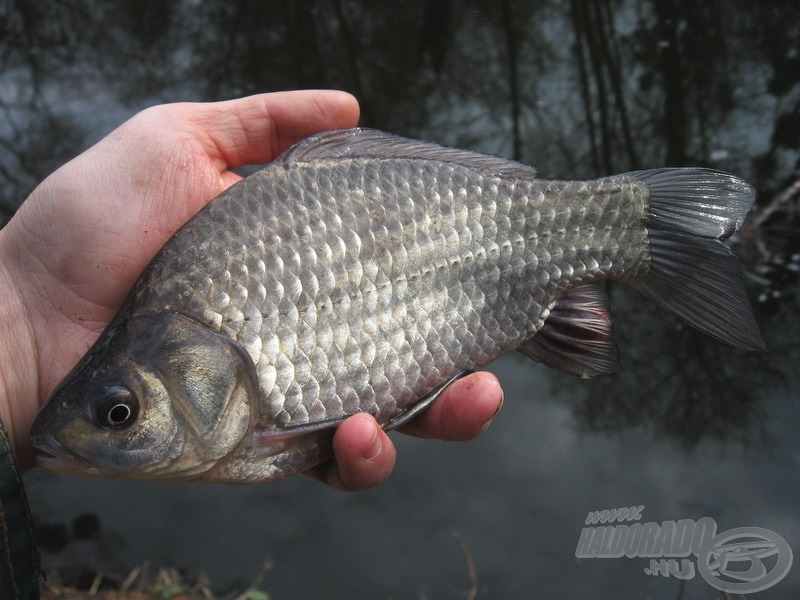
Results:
19 379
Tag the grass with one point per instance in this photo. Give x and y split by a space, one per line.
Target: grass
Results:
166 584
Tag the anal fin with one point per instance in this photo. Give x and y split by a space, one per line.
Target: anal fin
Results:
577 335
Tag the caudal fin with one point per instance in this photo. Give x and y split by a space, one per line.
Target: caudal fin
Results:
692 273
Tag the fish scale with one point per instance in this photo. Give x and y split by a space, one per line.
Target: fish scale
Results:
362 272
407 311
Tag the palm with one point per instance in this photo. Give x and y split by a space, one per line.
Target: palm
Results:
101 245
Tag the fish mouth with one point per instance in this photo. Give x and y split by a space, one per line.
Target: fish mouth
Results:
58 458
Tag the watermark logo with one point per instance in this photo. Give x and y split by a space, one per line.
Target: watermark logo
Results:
742 560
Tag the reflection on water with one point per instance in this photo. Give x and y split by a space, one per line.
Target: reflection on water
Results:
579 88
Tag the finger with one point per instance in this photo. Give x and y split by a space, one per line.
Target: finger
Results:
463 411
364 456
257 128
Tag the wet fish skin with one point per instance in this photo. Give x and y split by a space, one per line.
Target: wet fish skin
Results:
360 272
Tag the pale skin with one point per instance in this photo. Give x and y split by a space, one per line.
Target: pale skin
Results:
72 252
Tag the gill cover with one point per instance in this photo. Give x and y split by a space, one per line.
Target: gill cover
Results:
161 395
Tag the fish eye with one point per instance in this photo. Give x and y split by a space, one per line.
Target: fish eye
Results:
117 409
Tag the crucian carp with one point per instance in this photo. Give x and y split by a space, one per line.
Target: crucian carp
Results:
363 272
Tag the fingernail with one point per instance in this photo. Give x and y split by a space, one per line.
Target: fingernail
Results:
374 449
499 405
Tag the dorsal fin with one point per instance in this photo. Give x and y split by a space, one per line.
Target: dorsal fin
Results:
371 143
576 337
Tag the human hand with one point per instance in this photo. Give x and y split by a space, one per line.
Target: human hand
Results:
71 254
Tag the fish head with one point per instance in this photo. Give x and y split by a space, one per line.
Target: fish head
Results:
157 397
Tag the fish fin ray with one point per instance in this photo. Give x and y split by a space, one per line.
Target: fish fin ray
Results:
277 433
691 272
577 335
700 281
372 143
703 202
274 434
422 404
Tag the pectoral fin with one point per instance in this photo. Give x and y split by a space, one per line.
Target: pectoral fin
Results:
577 335
420 405
276 434
285 432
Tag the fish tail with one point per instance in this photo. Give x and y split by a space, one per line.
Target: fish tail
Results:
691 272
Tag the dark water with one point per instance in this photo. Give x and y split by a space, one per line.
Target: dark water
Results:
689 429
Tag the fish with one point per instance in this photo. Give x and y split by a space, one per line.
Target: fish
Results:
365 272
